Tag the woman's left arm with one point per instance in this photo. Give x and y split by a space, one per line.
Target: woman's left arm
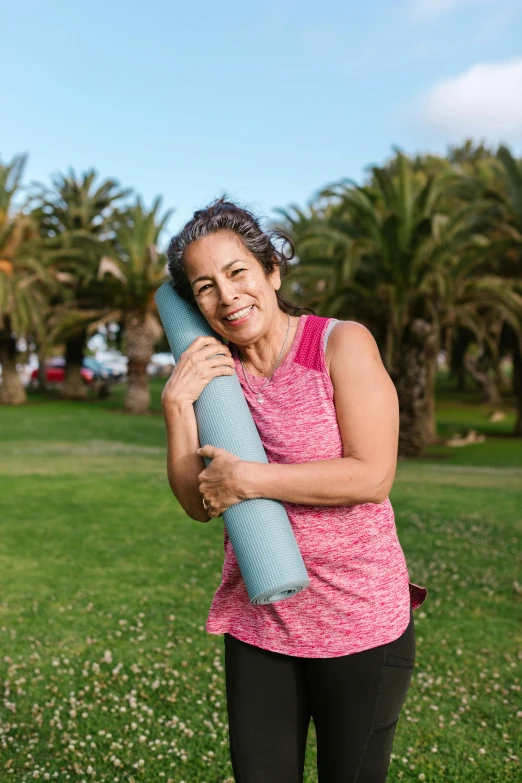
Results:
368 416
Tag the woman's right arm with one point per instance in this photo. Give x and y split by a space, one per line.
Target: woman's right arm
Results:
196 367
183 464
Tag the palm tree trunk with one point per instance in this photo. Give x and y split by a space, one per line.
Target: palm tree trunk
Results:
431 374
461 378
139 340
42 372
388 349
517 385
487 384
74 387
448 346
412 381
12 391
460 345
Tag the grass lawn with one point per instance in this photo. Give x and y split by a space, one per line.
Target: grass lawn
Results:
108 674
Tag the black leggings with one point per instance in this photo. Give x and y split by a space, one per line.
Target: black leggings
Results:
354 700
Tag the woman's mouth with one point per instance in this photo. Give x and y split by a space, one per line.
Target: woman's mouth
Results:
240 317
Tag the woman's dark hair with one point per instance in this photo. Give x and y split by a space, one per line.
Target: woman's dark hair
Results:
222 215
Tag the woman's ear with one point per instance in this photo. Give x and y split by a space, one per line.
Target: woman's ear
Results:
275 275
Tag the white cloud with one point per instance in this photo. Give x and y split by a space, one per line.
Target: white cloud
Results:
485 101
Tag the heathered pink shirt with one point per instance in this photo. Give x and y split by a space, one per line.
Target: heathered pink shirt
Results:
360 594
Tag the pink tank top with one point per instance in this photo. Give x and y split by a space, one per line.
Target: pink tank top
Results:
360 594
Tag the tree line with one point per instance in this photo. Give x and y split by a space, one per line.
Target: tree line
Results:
426 252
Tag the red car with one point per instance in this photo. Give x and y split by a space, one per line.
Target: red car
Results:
55 372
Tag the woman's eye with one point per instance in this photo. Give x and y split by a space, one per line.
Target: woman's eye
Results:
202 289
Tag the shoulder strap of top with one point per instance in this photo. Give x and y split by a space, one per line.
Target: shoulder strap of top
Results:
328 330
308 352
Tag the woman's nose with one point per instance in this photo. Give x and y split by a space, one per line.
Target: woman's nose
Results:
227 292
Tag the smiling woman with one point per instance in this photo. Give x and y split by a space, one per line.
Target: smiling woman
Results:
328 420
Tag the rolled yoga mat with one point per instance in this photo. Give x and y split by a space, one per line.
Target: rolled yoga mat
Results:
259 529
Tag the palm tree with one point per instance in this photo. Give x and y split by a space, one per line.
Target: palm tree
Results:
506 194
387 273
480 308
400 246
77 213
476 356
24 280
324 248
136 269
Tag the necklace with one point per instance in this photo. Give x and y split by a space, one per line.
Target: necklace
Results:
260 398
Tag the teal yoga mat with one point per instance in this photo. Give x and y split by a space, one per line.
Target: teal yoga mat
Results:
260 532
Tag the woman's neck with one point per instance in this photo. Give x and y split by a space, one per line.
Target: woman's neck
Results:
260 357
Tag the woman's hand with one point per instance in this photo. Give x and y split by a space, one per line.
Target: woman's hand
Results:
220 483
204 359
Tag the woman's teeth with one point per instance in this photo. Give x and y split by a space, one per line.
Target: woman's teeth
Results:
240 314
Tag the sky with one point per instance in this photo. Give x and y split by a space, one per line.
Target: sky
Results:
268 101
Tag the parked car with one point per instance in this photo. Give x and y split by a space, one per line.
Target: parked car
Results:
161 364
55 372
100 370
115 361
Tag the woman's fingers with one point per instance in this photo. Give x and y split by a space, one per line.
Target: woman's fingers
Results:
206 346
203 360
213 512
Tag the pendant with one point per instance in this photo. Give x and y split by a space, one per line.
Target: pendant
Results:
259 398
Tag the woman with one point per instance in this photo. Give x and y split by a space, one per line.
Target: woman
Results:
342 650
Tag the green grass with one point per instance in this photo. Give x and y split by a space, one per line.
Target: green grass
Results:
108 673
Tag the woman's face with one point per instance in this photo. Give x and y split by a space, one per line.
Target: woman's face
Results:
226 278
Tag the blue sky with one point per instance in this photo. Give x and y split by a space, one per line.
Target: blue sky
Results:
267 100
